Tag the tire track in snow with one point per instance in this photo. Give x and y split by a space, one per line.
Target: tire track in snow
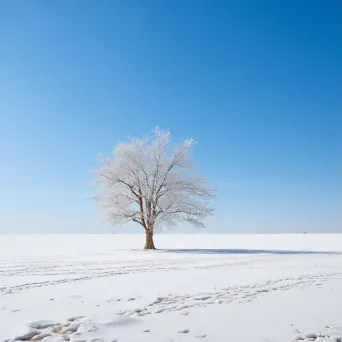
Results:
80 272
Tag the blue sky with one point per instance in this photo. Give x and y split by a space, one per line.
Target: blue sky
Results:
257 83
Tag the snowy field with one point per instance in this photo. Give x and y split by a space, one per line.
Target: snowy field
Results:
223 288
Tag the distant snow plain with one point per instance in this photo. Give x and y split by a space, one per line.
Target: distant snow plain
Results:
201 287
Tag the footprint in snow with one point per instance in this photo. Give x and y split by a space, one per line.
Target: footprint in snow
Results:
202 298
184 331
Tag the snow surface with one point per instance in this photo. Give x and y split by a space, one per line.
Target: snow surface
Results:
238 288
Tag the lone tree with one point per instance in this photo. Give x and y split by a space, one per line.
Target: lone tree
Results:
147 183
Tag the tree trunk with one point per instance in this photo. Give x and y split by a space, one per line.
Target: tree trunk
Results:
149 240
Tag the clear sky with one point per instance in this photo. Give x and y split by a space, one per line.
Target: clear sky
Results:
257 83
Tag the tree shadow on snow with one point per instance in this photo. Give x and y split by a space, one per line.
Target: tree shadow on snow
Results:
246 251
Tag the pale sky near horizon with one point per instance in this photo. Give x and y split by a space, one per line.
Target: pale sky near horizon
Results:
257 83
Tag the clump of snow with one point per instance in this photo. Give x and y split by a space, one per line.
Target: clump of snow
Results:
42 324
27 335
40 336
328 334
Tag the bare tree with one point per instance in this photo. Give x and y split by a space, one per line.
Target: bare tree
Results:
144 182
